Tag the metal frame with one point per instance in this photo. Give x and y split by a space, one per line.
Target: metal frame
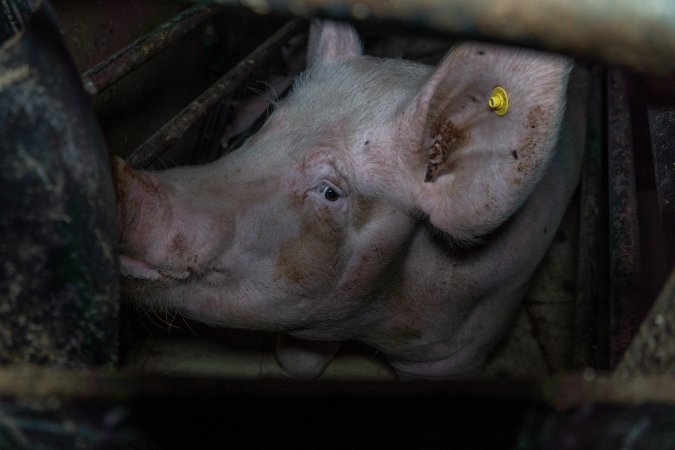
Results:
639 35
108 72
38 400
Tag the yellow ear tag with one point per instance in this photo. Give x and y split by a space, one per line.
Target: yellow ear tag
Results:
499 101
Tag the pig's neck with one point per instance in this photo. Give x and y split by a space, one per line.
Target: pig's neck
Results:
451 306
428 333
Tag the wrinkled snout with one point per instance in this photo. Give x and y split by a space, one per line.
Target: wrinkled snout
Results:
143 220
163 233
136 194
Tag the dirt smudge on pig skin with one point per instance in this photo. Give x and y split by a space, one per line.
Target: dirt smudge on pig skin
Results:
310 260
178 246
361 212
447 139
537 119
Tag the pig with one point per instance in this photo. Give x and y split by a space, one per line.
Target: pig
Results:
383 201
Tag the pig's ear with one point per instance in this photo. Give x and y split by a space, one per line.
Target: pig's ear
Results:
477 161
330 41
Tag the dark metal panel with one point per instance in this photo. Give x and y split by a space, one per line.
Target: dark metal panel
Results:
639 35
58 266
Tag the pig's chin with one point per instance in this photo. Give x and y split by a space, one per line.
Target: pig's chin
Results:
134 268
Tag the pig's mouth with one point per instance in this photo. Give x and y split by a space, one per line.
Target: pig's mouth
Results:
134 268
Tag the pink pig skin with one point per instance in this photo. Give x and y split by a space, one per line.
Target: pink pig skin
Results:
382 201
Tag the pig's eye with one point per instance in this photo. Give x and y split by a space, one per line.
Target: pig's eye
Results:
329 192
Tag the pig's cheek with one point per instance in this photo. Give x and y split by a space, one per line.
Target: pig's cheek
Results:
309 261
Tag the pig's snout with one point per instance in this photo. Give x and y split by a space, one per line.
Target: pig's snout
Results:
133 189
160 233
140 201
124 177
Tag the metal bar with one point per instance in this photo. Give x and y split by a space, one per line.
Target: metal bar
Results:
652 352
639 35
159 142
562 391
662 132
590 334
108 72
623 222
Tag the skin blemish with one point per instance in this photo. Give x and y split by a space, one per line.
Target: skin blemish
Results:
178 246
515 154
527 155
537 116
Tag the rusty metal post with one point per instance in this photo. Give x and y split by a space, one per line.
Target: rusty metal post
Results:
662 132
624 236
639 35
159 142
108 72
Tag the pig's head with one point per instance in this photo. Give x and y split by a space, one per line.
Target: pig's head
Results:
306 228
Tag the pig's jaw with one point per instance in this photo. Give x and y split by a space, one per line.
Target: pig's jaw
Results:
130 267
